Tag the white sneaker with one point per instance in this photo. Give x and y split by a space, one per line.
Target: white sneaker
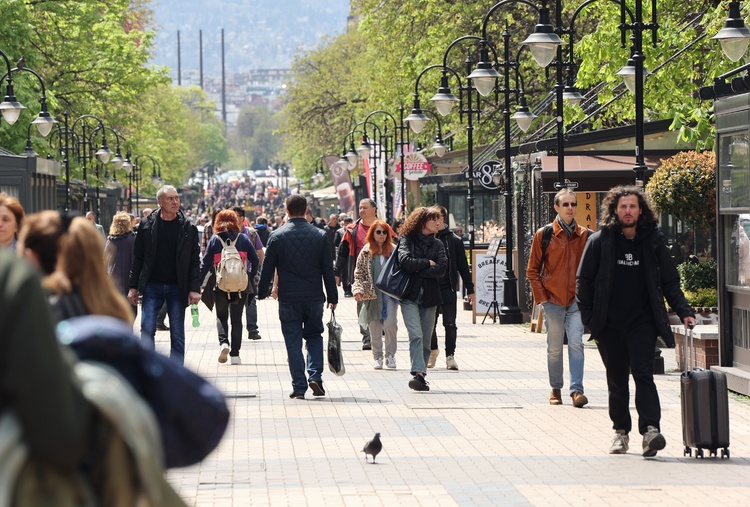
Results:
235 360
390 362
224 352
451 363
619 443
378 364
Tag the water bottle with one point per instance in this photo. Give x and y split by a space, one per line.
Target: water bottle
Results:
194 313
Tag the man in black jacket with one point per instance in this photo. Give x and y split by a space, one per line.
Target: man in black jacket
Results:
625 273
457 265
298 252
166 267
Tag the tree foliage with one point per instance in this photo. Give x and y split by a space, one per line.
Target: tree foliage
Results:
376 63
93 59
685 186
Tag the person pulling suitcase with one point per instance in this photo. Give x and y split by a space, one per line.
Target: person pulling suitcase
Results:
625 273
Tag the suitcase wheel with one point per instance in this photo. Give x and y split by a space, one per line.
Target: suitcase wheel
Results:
725 453
699 453
687 452
712 453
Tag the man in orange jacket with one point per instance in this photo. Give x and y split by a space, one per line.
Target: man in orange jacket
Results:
551 271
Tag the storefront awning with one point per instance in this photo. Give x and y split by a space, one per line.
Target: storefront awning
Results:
594 173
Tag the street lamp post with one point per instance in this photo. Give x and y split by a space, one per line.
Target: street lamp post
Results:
444 101
485 77
85 149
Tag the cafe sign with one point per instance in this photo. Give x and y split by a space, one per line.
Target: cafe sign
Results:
416 165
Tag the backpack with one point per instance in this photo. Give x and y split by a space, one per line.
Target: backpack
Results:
231 273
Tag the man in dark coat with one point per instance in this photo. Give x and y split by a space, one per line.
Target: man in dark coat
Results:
298 253
457 266
625 273
166 267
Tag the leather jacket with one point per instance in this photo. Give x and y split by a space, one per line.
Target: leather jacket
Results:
555 281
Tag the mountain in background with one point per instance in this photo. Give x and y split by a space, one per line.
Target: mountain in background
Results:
258 34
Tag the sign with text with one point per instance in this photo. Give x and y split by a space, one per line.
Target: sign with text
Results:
416 166
586 212
487 272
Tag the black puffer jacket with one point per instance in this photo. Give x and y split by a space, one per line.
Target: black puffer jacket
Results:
415 252
300 253
188 255
596 274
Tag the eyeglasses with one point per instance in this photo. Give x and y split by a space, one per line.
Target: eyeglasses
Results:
381 232
569 204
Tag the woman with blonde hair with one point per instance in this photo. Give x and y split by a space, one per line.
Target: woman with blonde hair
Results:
422 255
11 220
378 309
78 283
118 252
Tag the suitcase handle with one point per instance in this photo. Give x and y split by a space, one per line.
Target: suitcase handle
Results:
690 356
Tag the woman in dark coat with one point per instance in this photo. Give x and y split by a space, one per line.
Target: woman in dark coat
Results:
118 252
423 255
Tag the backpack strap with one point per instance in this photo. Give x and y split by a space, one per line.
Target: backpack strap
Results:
546 237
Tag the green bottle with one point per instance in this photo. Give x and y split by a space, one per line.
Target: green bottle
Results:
194 313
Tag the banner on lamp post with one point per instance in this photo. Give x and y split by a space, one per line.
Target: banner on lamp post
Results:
342 182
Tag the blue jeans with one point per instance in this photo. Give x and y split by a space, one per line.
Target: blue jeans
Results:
298 321
154 296
419 324
562 320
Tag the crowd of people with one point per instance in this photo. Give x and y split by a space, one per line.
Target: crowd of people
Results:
614 281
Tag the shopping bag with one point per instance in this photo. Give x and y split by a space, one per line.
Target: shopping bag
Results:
335 355
393 280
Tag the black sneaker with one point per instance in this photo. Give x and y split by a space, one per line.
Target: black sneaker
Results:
253 336
348 295
317 387
297 396
160 326
418 383
366 346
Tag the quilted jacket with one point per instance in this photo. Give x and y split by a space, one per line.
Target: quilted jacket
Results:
299 252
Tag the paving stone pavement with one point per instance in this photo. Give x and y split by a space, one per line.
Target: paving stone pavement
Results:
483 435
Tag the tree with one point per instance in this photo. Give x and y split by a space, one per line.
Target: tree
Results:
685 186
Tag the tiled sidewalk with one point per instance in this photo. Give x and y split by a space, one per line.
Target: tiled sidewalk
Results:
484 435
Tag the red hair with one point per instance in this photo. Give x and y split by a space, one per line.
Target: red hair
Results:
375 248
227 220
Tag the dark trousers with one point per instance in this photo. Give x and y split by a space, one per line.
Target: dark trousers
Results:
448 310
230 309
626 351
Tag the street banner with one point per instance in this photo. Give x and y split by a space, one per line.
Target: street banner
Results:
339 170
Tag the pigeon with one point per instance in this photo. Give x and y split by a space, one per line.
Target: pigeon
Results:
21 62
373 447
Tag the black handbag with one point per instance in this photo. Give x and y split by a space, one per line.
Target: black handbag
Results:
393 279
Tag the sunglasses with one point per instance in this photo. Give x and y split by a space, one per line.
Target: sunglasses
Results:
569 204
381 232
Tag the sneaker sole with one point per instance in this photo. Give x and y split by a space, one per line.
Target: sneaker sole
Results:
377 367
620 451
656 444
317 389
223 355
391 366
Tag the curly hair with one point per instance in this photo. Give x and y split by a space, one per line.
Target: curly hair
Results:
609 207
121 224
226 220
417 219
376 249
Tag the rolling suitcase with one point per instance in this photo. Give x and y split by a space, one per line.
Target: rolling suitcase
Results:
705 407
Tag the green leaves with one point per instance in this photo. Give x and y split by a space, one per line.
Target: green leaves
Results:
685 186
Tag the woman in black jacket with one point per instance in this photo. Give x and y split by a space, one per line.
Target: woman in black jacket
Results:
422 255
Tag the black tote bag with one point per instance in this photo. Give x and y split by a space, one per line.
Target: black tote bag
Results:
393 280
